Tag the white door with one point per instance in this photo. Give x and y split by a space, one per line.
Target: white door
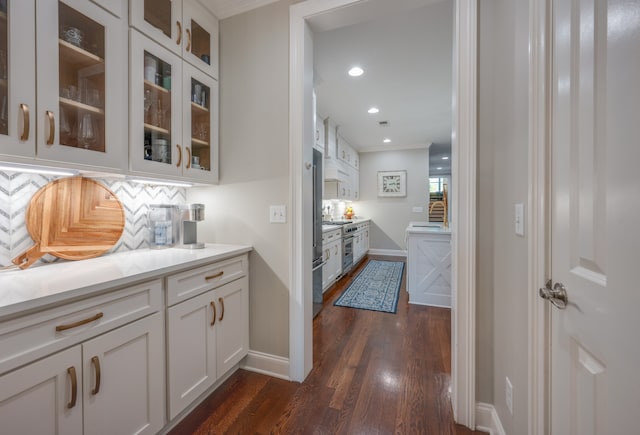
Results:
595 385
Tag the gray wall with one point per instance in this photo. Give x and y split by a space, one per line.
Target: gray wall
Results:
390 216
502 182
254 173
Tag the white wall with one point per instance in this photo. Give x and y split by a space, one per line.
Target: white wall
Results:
502 182
390 216
254 168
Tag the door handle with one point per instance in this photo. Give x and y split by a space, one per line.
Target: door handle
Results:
557 294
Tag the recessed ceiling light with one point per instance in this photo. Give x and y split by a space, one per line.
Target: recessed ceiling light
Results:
386 140
373 110
439 168
356 71
445 158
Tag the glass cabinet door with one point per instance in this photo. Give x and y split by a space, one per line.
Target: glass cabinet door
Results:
161 20
200 124
81 84
155 126
201 32
17 78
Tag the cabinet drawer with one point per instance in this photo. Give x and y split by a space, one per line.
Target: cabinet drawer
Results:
30 337
185 285
332 235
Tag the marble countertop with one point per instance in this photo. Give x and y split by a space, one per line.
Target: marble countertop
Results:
52 284
426 227
329 227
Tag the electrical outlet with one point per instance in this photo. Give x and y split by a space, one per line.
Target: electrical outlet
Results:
509 394
278 214
418 209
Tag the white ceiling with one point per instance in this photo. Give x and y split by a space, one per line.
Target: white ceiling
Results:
405 48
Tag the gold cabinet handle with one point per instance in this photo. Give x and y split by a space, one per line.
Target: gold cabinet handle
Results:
78 323
179 40
52 127
74 387
179 156
188 150
96 365
188 39
213 319
25 124
217 275
221 300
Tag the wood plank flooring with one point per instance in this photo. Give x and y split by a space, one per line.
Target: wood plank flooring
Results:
373 373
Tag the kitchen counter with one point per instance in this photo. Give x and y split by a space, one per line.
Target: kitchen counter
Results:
48 285
426 227
327 227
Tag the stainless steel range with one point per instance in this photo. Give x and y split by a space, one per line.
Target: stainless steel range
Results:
348 227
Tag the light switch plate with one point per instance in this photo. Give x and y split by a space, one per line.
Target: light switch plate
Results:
278 214
418 209
519 219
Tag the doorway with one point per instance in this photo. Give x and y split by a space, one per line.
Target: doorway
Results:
463 180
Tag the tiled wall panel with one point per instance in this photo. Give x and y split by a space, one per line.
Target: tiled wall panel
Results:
16 190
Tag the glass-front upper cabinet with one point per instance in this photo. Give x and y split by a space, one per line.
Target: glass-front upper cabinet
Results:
81 85
200 125
17 78
155 142
185 27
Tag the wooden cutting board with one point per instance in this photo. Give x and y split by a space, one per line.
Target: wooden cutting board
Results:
72 218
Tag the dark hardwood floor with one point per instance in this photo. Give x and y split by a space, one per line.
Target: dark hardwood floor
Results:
373 373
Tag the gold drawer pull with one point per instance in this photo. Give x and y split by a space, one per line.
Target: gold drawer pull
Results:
74 387
221 300
179 26
52 127
78 323
25 122
217 275
213 320
188 39
179 156
96 364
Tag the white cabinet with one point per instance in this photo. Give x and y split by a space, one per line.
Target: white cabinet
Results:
111 384
80 81
429 266
123 372
44 397
332 252
173 114
347 153
81 85
184 27
208 334
360 242
18 80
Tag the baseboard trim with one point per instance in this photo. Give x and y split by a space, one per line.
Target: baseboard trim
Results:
267 364
389 252
487 419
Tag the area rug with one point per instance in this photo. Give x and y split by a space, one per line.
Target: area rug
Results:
375 288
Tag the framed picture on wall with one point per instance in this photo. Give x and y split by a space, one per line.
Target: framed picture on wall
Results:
392 183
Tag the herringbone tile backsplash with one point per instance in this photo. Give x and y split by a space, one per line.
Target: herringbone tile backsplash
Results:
16 190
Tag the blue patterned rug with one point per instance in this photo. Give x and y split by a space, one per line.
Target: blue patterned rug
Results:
375 288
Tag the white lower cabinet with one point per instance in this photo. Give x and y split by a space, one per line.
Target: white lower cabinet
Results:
39 398
332 268
113 383
207 335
